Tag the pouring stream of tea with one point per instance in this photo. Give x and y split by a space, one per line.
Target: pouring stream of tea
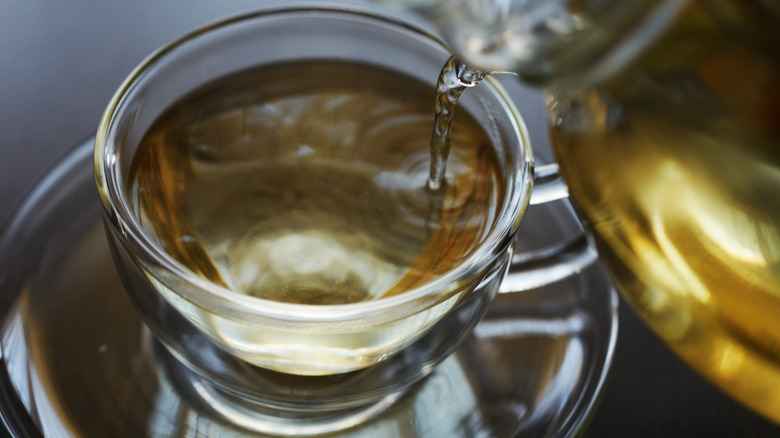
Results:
454 78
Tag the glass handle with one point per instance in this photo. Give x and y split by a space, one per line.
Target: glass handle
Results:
570 256
548 185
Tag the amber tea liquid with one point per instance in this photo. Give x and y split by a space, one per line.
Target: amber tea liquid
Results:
306 183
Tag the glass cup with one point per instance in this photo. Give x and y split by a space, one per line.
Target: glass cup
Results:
291 368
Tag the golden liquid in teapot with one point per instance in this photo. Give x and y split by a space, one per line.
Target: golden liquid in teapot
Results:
675 164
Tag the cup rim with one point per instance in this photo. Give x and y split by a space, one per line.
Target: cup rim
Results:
242 306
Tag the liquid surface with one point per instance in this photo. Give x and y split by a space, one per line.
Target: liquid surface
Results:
675 164
305 183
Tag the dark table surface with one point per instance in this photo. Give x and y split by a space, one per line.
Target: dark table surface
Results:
60 62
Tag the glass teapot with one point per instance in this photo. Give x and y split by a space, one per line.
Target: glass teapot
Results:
665 119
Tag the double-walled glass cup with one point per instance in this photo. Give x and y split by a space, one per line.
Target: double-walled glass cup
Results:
239 347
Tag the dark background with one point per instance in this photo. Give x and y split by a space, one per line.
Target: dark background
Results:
60 62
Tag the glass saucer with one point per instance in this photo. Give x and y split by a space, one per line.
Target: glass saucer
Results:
78 361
